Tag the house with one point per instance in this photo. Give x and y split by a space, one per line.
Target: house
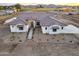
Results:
7 8
5 12
2 12
50 26
19 24
24 21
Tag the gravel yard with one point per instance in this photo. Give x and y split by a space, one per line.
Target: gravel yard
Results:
48 45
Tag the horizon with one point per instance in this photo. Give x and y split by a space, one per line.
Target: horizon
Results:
33 2
9 4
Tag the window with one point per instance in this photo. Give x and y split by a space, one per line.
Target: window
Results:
38 23
20 28
61 27
54 30
46 28
12 26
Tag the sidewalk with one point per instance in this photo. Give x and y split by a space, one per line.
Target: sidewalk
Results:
30 34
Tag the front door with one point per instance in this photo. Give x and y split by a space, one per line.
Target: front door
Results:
38 24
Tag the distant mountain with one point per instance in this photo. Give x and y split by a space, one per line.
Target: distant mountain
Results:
41 5
53 6
7 4
63 4
33 4
71 4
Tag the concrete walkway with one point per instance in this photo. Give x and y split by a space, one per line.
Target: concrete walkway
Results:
30 34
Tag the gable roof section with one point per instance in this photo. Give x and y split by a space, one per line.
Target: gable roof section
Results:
44 19
47 21
15 21
21 19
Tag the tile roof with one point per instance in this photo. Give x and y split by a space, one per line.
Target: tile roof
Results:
44 19
47 21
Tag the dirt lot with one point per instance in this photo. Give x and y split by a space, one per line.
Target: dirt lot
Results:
17 44
9 40
40 45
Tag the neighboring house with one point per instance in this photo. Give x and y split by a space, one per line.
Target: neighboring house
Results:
9 11
8 8
5 12
2 12
51 26
19 24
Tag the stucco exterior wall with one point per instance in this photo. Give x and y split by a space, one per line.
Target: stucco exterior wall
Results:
14 28
34 24
45 30
66 29
50 30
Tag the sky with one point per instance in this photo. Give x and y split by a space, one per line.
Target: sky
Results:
40 1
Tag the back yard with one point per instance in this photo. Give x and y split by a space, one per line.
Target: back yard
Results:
41 44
